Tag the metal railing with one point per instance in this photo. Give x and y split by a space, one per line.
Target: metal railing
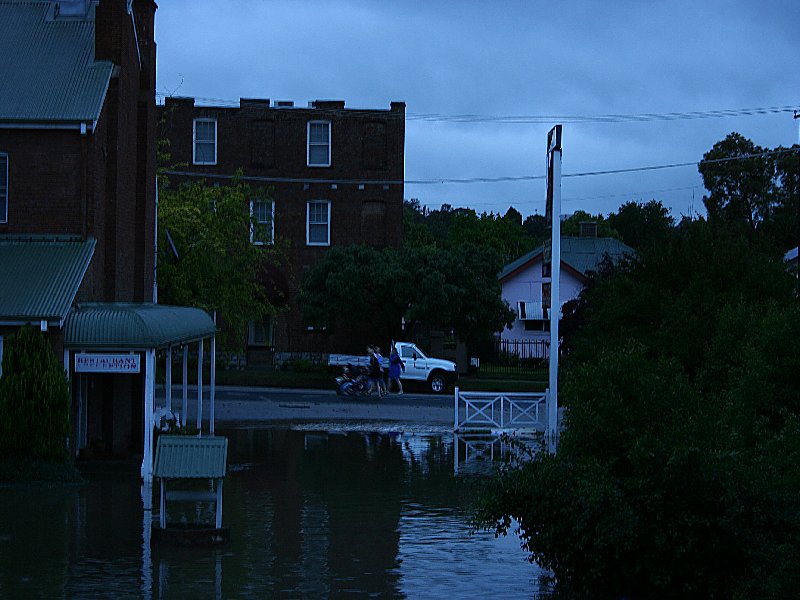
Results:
500 410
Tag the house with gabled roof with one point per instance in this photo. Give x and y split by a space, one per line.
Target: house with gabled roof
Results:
523 284
78 209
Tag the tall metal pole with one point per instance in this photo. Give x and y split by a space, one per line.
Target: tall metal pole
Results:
554 194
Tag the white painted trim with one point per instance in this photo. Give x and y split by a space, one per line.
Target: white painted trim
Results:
194 139
56 125
200 388
213 384
308 223
308 143
149 398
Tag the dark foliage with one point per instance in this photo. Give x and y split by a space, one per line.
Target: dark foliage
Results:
34 399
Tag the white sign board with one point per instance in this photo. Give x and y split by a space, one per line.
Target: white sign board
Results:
106 363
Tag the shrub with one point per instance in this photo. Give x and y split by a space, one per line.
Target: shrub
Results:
34 399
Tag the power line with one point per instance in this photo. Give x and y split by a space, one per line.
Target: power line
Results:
469 180
548 119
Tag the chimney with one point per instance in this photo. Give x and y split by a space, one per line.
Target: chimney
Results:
253 102
328 104
75 9
587 229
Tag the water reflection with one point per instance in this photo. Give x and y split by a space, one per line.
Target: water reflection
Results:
312 515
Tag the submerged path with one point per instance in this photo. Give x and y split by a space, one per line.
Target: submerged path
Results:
248 405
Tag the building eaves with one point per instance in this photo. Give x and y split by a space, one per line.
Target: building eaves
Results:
41 276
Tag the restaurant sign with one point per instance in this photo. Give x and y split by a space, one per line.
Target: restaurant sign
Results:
106 363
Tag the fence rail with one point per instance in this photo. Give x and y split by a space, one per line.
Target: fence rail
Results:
500 410
523 359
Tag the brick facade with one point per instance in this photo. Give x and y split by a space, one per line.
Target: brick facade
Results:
100 183
97 179
363 184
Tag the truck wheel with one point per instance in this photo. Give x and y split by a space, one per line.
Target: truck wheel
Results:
437 382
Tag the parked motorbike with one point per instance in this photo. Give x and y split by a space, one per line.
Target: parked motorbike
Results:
352 381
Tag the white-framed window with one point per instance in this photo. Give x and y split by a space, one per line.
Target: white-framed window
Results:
204 142
3 188
319 144
262 224
318 223
260 333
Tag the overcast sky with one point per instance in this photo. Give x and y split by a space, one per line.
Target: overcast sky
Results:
498 59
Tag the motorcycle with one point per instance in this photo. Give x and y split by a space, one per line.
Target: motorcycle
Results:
352 382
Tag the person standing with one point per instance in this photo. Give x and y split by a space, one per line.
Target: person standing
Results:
375 369
382 381
396 364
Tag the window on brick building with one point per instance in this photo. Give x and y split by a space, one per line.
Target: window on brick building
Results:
318 223
319 143
3 188
205 142
262 227
260 332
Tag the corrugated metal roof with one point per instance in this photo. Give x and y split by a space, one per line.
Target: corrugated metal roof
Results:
49 72
134 326
189 457
40 275
583 254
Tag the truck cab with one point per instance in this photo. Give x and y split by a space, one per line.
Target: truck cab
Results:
437 372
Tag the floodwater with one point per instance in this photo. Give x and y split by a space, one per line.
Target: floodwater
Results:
312 513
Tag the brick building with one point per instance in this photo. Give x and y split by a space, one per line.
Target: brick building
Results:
337 179
77 202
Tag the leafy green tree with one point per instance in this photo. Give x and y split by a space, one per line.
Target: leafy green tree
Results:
756 194
536 228
640 224
450 288
571 225
676 473
206 257
34 399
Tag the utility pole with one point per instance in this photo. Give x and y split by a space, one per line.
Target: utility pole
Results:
553 214
797 202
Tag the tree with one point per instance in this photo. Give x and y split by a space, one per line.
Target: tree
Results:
206 258
571 225
34 399
450 288
676 473
640 224
742 192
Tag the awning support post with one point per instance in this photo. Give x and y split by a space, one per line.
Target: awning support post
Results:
149 395
185 390
200 388
213 381
168 379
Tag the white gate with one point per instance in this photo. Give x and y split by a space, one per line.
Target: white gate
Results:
500 410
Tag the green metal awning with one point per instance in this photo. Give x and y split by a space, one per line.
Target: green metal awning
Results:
41 275
189 457
125 326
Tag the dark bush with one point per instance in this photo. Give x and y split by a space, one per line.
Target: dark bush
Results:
34 399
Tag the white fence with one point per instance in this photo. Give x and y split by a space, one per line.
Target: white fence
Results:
500 410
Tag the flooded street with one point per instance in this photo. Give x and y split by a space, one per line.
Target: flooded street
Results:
313 514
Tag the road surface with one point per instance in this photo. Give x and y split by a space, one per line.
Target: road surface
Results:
250 405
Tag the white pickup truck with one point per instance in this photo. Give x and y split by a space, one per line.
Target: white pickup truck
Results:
436 372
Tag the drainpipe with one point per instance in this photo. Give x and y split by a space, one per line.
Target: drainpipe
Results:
84 168
155 250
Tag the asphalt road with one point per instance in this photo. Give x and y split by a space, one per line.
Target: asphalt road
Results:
248 405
